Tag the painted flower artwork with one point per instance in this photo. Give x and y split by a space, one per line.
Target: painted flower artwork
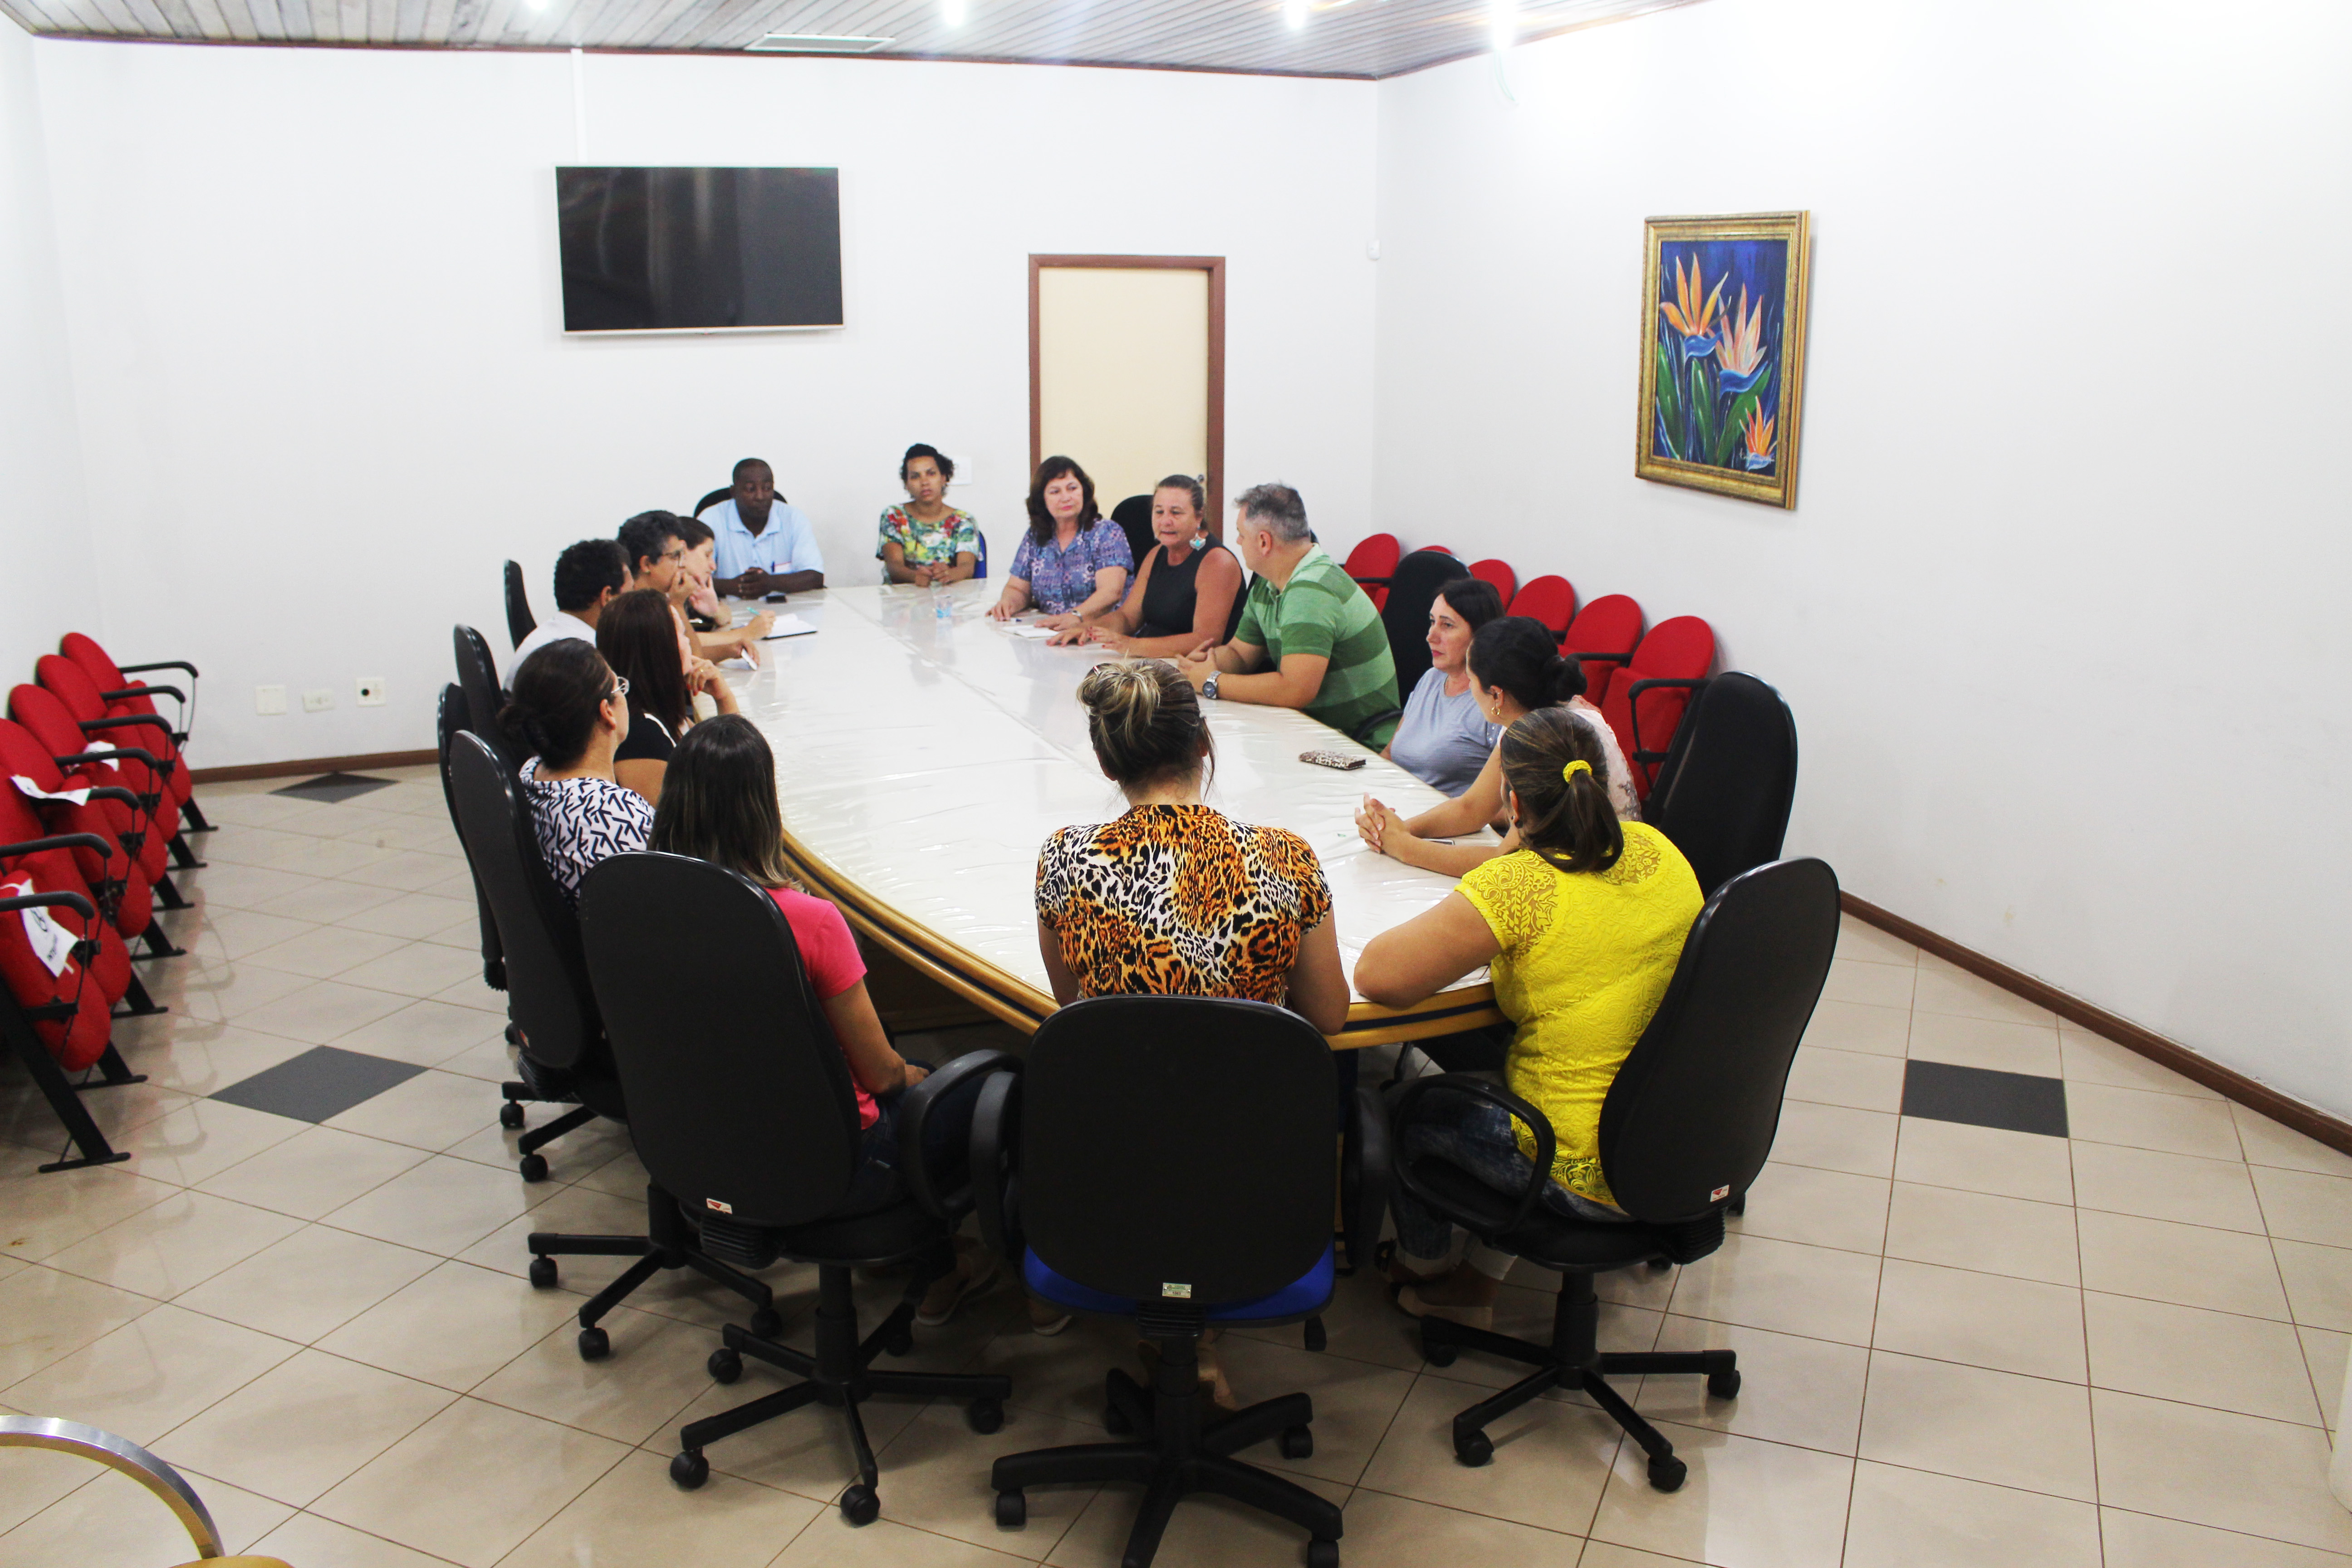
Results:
1718 352
1723 347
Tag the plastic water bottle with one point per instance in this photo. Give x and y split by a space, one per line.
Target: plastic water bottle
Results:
942 604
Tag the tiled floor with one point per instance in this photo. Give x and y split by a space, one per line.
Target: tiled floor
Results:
1962 1344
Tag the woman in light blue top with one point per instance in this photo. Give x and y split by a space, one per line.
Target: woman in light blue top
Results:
1444 738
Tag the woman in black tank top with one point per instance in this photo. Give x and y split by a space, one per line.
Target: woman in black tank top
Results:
1186 592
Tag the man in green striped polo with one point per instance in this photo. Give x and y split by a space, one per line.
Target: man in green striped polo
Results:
1308 637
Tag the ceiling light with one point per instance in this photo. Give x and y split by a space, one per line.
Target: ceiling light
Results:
1294 12
1506 26
818 44
951 12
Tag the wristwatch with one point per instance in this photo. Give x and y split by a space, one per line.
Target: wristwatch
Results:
1209 687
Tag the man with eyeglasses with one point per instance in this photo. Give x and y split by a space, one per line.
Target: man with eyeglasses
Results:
764 545
653 550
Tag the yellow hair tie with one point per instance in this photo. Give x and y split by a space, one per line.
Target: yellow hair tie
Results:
1567 774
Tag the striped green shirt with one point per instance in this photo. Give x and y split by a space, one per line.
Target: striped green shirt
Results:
1322 612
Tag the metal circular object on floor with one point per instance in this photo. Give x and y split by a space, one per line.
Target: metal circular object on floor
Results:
1012 1509
986 1416
542 1272
690 1469
1723 1384
510 1115
765 1323
533 1167
1666 1474
1474 1448
860 1505
724 1365
1322 1554
595 1345
1298 1443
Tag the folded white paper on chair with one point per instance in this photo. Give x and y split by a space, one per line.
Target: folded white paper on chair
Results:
789 626
79 797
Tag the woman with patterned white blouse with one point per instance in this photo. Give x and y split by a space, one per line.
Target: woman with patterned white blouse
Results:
568 707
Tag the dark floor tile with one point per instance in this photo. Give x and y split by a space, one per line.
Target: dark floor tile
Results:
334 787
2019 1101
322 1082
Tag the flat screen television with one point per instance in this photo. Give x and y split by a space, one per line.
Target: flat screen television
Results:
699 251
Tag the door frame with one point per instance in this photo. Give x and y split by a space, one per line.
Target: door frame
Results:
1214 265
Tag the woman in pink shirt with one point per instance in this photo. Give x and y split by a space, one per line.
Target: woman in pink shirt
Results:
719 803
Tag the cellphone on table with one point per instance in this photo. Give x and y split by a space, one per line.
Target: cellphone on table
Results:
1340 759
778 597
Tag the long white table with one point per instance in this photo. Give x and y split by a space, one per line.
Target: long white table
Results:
921 762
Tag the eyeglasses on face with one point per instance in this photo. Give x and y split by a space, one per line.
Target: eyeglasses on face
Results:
620 688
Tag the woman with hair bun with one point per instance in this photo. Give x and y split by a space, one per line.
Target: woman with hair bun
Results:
568 707
927 541
1582 925
1516 668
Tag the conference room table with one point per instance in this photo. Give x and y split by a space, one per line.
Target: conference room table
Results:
924 752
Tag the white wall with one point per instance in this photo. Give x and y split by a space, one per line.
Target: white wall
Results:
317 319
44 539
2061 610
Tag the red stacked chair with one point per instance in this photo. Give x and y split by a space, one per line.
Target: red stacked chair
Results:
1373 564
125 697
1550 599
123 876
71 685
1647 699
108 752
1498 573
1603 636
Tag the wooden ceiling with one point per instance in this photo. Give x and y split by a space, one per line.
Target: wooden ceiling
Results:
1364 38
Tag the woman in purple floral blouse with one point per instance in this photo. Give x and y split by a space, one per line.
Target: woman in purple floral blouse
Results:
1074 563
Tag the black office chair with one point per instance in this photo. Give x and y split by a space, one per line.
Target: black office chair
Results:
563 1036
742 1106
477 675
1173 1166
1405 615
453 720
1723 791
1685 1127
520 623
720 494
1133 516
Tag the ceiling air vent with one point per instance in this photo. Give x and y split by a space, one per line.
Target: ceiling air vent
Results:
818 44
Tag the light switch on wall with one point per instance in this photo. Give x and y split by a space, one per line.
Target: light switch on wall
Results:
270 699
318 699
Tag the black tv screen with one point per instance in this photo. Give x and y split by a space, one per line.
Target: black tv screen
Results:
649 250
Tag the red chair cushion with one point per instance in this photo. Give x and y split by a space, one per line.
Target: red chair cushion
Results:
77 1041
1377 556
1499 573
1610 623
73 687
40 711
1682 649
1550 599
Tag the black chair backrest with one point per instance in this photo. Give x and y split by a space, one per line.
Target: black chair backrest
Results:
453 725
1723 792
1133 516
477 675
520 623
546 978
737 1094
1177 1140
714 498
1412 588
1692 1112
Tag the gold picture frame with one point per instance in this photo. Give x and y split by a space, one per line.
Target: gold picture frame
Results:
1723 378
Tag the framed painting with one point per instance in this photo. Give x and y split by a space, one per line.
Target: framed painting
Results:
1723 353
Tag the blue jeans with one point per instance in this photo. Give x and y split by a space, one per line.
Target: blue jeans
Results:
1477 1137
946 1141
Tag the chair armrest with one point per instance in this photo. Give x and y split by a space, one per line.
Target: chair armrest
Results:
1371 581
61 841
1372 723
159 664
128 720
132 754
73 901
1365 1176
1634 707
144 691
1547 1144
995 1144
1596 657
914 1118
112 792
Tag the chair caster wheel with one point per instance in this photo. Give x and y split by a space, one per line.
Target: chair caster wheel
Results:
1666 1474
1012 1509
1723 1384
724 1365
595 1345
510 1115
765 1324
1322 1554
1437 1352
901 1344
1298 1443
542 1273
533 1167
1116 1423
1474 1448
860 1506
688 1470
984 1416
1317 1338
1660 1265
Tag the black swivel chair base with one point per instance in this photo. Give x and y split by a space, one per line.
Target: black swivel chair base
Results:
838 1374
1173 1454
1573 1360
669 1243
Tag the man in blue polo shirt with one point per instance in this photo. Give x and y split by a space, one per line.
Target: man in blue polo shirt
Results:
762 545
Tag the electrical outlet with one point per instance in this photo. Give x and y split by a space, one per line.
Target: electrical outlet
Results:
372 690
318 699
270 699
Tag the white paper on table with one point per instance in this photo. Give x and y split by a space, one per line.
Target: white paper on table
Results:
79 797
789 626
1035 633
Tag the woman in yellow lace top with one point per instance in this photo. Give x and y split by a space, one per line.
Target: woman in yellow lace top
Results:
1582 928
